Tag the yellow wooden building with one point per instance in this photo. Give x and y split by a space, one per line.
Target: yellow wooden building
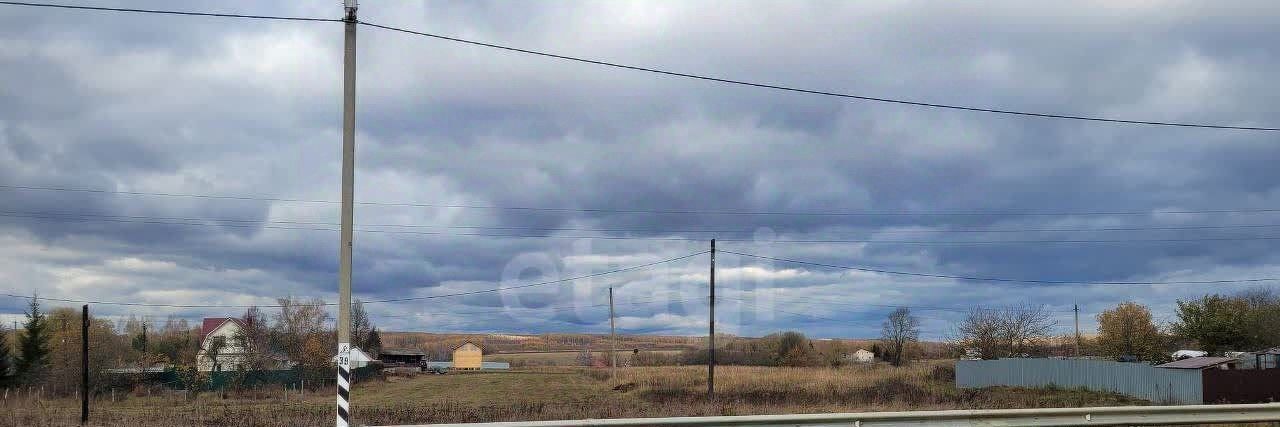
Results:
468 356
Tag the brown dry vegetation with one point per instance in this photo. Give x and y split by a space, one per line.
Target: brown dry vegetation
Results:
561 393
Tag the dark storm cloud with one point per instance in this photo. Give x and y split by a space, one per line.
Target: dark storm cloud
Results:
155 104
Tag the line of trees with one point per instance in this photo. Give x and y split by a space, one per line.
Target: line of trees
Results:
1214 323
48 345
1245 321
789 348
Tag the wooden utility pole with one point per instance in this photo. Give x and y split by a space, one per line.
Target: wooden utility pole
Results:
1077 311
84 364
711 337
348 209
613 341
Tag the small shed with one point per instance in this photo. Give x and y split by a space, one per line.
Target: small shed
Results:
1267 359
401 357
1223 382
861 356
468 356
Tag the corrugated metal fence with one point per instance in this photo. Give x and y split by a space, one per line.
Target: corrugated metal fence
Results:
1158 385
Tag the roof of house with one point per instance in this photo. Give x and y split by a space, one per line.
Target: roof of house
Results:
402 352
456 347
213 323
1269 351
1198 362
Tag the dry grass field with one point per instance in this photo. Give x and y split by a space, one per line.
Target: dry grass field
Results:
563 393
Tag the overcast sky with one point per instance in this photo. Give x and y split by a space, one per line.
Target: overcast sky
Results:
206 106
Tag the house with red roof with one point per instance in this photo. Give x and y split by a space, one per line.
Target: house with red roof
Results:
221 351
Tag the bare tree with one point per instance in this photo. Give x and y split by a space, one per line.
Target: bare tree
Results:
899 330
300 330
296 322
1027 329
584 357
980 332
213 350
254 340
1013 331
360 324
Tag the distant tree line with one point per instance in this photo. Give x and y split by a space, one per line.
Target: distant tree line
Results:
788 348
1216 323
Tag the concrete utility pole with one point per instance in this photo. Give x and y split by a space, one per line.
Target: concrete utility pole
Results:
711 338
348 210
1077 311
613 341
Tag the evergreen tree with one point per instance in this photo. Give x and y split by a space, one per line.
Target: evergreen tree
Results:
140 341
33 344
5 356
373 344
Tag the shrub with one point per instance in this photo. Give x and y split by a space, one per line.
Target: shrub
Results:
943 373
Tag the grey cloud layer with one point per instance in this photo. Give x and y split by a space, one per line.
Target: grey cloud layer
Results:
187 105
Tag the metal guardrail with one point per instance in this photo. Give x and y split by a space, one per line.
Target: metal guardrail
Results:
1102 416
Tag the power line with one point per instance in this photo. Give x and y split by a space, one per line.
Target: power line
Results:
875 229
168 12
389 300
661 71
819 92
1005 280
652 211
267 225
